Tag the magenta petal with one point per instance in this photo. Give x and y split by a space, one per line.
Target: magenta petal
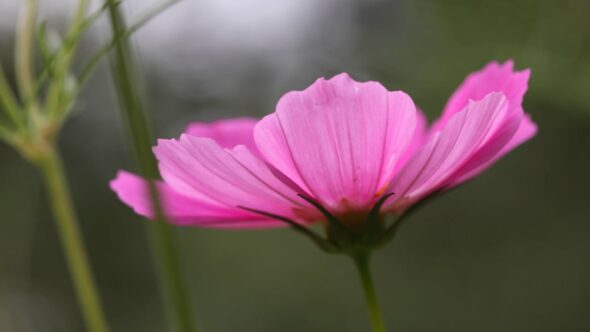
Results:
183 210
339 139
227 132
504 143
341 142
494 77
480 130
526 131
198 167
420 137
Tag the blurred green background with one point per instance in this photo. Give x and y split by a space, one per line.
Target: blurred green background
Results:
507 252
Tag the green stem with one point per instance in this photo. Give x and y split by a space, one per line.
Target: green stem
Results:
24 49
71 239
122 65
106 48
57 98
361 261
25 76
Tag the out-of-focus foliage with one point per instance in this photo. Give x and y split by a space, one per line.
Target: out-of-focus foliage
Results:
506 252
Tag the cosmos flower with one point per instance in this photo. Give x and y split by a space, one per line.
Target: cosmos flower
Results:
340 152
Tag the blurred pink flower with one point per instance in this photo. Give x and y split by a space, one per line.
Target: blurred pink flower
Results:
340 144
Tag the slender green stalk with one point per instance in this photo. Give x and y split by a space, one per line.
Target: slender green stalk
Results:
37 144
24 55
24 48
57 100
71 240
131 29
173 289
361 261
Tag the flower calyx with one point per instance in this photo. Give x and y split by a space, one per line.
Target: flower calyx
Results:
343 235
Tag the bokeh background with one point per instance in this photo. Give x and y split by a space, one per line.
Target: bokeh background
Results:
507 252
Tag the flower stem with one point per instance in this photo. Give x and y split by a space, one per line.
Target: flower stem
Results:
173 289
71 240
361 261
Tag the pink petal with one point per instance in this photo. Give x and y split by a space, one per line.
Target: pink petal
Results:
183 210
199 168
493 77
483 128
420 137
339 140
227 133
505 142
527 130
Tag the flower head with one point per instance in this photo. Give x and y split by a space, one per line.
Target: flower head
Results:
340 152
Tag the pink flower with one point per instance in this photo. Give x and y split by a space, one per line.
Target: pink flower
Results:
334 149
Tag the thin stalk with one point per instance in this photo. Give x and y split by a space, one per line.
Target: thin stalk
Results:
24 48
71 240
172 285
25 76
106 48
56 102
361 261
